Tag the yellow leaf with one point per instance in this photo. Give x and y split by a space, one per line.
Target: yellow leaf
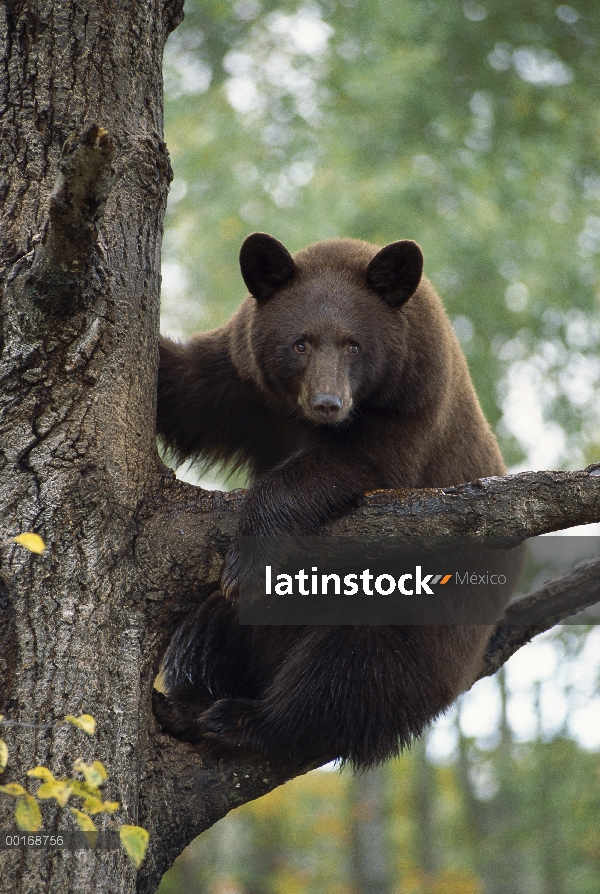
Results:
59 789
13 789
41 773
85 823
92 805
94 773
95 805
110 806
83 790
32 542
134 840
27 814
85 722
3 755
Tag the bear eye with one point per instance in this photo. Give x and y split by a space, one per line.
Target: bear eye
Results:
353 348
300 347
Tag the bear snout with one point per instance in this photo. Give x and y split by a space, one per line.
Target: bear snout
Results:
328 406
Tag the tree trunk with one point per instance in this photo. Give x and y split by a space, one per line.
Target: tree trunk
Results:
84 625
424 800
369 847
79 352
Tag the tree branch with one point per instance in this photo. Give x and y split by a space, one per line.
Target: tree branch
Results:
172 14
509 510
75 209
184 792
556 601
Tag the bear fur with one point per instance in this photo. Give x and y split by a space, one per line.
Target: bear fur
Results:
340 373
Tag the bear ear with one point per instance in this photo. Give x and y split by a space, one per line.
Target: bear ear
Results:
395 271
266 265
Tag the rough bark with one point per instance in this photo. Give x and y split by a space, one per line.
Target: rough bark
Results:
76 205
77 400
83 627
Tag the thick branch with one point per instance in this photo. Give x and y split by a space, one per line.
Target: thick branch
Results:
184 792
172 14
507 509
554 602
75 209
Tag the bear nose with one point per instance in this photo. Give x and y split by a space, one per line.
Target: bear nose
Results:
327 405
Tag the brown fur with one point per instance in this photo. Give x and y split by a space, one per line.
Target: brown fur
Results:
281 390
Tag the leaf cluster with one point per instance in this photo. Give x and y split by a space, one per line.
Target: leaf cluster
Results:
86 790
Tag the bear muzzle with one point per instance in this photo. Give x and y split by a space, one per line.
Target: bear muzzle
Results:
329 406
325 408
325 394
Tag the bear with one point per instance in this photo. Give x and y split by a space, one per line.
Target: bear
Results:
339 374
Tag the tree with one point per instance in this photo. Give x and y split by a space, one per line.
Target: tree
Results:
84 175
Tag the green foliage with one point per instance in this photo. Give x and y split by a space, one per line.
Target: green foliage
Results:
28 816
510 818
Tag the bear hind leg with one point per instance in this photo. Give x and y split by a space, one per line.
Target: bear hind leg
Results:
179 713
235 723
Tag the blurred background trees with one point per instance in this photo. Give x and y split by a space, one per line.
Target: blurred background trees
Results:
473 128
502 797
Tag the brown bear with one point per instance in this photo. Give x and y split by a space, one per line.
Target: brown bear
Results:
340 373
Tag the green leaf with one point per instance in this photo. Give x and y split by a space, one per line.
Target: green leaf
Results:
27 814
32 542
59 789
13 789
3 755
134 840
94 774
41 773
85 722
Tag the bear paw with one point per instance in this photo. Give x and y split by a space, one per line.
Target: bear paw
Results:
245 571
231 573
181 719
233 723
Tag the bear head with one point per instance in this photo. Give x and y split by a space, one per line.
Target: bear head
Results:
324 327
